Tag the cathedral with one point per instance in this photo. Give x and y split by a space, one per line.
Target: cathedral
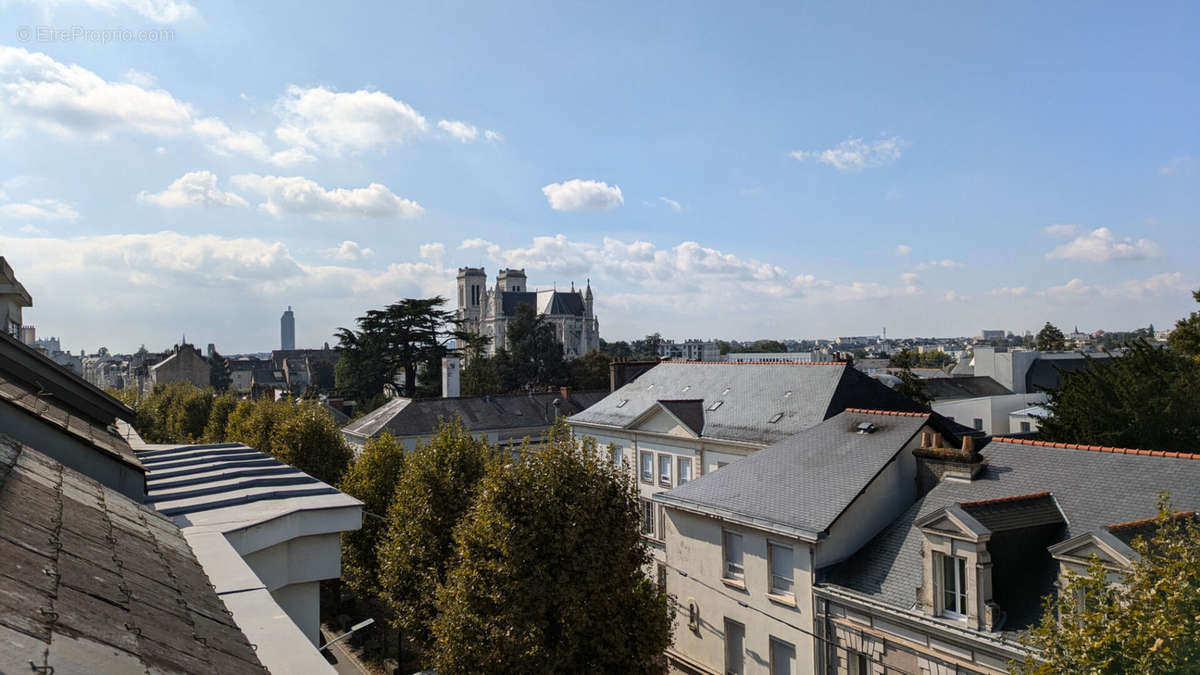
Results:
488 311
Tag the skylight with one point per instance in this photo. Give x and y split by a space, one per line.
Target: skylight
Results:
686 387
775 418
622 403
787 394
715 405
725 392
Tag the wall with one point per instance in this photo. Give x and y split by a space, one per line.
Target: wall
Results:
694 542
993 410
186 364
302 604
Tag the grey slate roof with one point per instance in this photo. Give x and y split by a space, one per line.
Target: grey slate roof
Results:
560 302
511 300
750 394
947 388
1022 512
690 412
420 417
91 581
1092 489
805 481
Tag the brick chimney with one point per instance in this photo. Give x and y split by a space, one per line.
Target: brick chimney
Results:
621 373
937 460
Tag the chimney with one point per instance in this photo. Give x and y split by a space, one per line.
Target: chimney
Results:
621 373
937 461
451 365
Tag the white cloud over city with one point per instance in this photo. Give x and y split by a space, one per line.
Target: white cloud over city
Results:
856 154
1100 245
298 196
583 195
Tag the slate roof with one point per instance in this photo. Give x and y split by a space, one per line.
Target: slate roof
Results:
806 480
948 388
560 302
91 581
1092 487
689 411
511 300
21 363
1015 513
420 417
751 394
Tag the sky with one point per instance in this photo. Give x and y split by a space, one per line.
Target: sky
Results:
732 170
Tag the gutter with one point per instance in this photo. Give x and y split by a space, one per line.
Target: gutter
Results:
726 515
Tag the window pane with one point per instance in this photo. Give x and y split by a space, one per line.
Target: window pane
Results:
647 518
685 469
949 594
783 657
733 555
735 637
647 466
962 586
781 569
664 469
617 457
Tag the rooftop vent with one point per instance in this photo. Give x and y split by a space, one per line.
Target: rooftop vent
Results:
867 428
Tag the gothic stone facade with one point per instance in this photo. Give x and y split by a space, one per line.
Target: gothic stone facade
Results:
488 311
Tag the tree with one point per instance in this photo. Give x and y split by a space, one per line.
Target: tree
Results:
253 422
393 342
307 438
533 357
550 574
436 488
648 347
590 371
1146 398
218 372
1150 623
1185 339
218 417
372 478
1050 339
619 351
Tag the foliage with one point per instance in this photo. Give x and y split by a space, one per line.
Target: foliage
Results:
253 421
1146 398
590 371
218 372
390 342
321 374
481 376
173 412
913 387
1185 339
533 356
218 417
760 347
1150 623
435 489
618 351
911 358
372 478
550 575
646 349
306 437
1050 339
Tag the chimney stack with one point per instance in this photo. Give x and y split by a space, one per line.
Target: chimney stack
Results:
451 367
937 460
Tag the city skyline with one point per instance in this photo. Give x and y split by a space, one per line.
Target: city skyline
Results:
796 172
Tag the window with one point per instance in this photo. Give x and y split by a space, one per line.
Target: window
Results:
662 523
857 663
1025 427
978 424
775 418
662 576
647 518
782 568
783 657
664 470
647 467
733 555
618 457
685 469
952 585
735 641
716 404
622 402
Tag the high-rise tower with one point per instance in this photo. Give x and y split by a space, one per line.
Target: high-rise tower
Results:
287 330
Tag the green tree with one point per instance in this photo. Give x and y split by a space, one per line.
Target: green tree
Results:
1146 398
550 575
173 412
436 488
1185 339
647 348
590 371
533 356
393 342
618 351
1050 339
1149 623
218 372
307 438
372 478
218 417
253 421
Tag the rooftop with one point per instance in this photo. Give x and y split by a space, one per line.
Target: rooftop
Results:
948 388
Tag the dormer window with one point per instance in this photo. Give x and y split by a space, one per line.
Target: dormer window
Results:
951 585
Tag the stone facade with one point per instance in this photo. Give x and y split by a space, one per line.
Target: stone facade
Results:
184 363
487 311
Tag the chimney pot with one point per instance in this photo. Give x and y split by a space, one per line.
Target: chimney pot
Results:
968 445
926 439
937 440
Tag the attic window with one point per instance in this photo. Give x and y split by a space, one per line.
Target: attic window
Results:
775 418
622 403
867 428
715 405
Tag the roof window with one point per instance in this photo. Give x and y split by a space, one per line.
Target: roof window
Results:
622 403
715 405
775 418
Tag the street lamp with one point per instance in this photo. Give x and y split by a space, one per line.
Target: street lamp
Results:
353 629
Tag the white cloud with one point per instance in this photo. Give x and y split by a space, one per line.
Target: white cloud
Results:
195 188
32 229
140 79
855 154
1180 164
299 196
435 251
348 251
1101 246
460 130
39 209
158 11
944 263
910 278
493 136
319 119
675 206
579 195
1063 230
903 249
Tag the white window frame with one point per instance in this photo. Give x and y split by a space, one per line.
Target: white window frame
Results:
684 462
731 571
771 665
959 566
664 480
618 456
644 475
791 580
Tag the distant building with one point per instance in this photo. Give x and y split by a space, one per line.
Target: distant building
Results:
979 402
184 363
287 330
987 335
1027 420
28 335
690 350
13 297
769 357
1025 371
487 312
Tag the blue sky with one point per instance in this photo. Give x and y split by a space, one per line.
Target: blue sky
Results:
716 170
